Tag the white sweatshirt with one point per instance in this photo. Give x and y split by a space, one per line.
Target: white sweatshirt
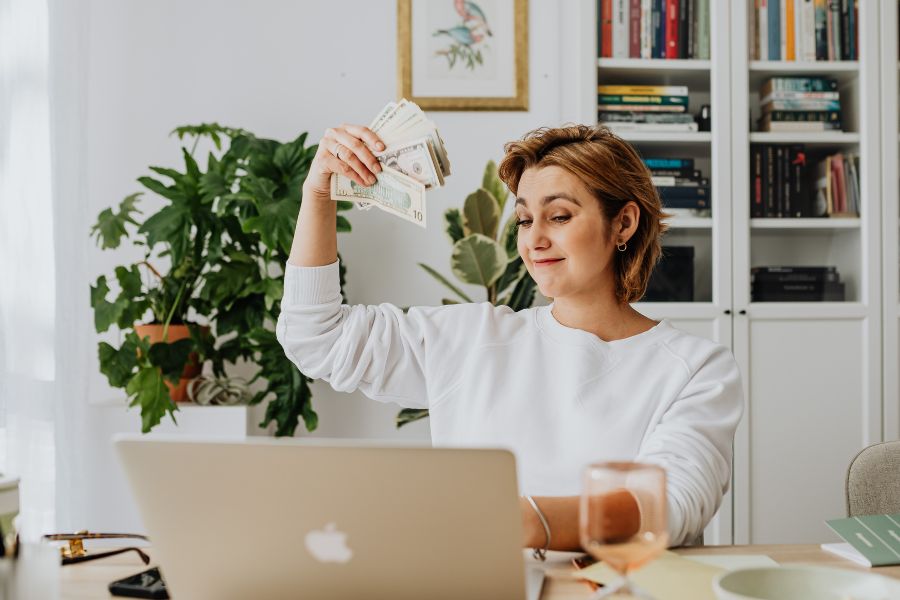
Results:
558 397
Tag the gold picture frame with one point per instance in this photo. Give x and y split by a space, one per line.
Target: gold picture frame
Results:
508 91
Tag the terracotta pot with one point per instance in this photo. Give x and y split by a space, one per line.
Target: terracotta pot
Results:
192 368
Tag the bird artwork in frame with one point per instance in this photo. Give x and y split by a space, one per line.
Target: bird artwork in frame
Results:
463 54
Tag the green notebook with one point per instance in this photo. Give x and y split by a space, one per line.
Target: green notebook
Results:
875 537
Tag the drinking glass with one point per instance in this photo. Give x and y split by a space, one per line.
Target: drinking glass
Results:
622 519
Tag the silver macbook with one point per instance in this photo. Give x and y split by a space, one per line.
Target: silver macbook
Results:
311 519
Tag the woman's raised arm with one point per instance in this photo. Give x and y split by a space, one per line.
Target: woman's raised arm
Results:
344 150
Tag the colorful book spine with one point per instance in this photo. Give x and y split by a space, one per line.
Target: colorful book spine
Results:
659 29
606 37
763 27
794 95
828 105
634 29
669 163
790 31
671 31
799 84
646 28
774 30
807 30
643 107
703 47
620 28
821 28
644 90
651 100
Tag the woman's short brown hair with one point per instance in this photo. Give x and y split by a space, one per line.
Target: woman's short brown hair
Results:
609 167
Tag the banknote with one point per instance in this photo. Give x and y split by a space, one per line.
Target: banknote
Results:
414 159
393 192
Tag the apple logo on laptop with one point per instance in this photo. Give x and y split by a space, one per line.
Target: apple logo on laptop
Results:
328 544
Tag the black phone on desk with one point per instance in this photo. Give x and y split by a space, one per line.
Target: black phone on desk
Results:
146 584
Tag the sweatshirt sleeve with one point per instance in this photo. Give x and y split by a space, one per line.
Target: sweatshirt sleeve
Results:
693 442
379 350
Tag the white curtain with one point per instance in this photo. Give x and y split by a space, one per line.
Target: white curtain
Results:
41 291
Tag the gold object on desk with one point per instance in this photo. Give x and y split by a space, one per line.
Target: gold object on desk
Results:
75 552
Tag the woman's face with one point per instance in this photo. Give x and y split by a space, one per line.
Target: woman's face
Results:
564 239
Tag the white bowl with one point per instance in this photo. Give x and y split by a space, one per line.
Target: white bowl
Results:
804 583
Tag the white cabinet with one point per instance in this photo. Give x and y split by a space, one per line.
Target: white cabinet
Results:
812 370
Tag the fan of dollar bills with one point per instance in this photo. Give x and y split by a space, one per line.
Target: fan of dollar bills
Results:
414 160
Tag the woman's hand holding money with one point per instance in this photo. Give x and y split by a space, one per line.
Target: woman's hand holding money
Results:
344 150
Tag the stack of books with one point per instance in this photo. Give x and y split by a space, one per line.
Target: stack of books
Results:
805 30
680 185
796 284
654 29
656 108
779 182
800 104
837 186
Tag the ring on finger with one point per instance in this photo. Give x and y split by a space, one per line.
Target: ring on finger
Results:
337 150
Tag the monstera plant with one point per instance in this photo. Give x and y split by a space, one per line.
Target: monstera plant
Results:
484 254
223 234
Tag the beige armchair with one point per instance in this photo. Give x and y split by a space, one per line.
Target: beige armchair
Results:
873 480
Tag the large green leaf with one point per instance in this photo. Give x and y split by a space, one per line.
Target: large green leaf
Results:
509 236
170 225
454 227
171 357
492 183
477 259
481 214
110 227
275 224
513 272
522 296
171 192
118 365
446 282
147 389
105 313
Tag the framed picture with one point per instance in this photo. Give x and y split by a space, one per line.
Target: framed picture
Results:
463 54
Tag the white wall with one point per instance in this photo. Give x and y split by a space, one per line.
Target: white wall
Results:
278 68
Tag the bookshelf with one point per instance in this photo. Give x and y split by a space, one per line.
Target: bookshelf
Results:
890 156
812 370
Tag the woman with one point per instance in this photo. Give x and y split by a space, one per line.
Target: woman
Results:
588 378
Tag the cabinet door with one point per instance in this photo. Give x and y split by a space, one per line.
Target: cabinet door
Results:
813 403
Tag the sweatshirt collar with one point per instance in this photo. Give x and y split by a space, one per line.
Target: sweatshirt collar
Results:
578 337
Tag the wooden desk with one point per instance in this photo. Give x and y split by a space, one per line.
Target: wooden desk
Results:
90 580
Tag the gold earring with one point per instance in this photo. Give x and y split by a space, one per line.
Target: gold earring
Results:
621 246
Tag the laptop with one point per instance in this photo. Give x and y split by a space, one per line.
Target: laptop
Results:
287 518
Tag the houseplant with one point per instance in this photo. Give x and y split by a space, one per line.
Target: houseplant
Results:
224 233
484 253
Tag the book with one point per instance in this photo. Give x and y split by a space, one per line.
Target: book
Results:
774 30
644 99
763 26
807 30
702 25
634 29
767 124
797 95
798 84
846 53
672 181
657 34
669 163
624 127
606 37
792 269
642 107
799 292
831 116
826 105
797 181
788 27
672 28
620 28
643 90
685 14
645 117
686 173
757 207
821 27
876 538
646 29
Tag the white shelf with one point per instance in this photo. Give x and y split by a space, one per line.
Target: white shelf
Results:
812 138
666 138
679 222
645 71
789 311
837 223
790 67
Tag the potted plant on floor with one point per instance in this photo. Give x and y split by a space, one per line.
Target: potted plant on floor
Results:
224 233
484 254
